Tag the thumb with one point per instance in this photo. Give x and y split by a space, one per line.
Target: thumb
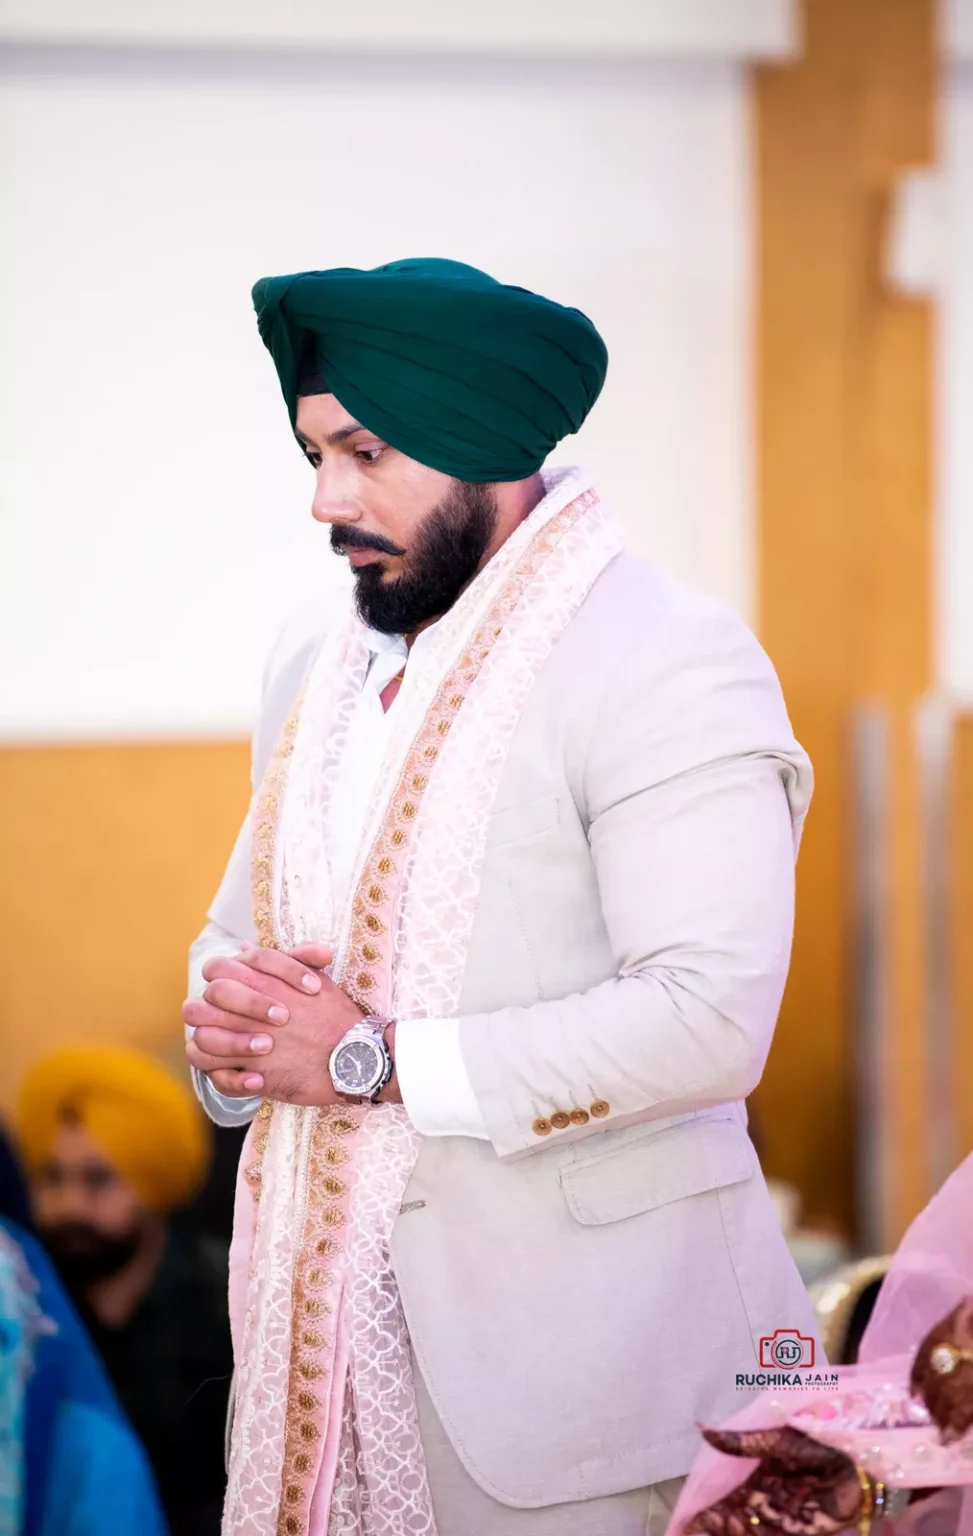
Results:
317 957
743 1442
788 1449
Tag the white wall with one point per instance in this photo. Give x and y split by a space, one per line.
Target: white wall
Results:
954 415
956 29
155 509
727 28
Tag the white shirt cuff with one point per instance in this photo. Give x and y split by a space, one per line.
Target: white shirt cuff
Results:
221 1109
433 1080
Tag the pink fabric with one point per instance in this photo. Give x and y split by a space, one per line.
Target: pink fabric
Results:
320 1515
241 1246
931 1272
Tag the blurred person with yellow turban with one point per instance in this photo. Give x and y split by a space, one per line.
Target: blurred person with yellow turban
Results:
115 1148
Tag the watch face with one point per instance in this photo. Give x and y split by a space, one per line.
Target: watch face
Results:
358 1066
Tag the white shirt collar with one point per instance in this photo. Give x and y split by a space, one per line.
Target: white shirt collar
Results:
379 644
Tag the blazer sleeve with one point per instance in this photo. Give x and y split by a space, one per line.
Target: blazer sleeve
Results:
695 794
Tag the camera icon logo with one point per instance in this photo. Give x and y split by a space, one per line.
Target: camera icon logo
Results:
786 1350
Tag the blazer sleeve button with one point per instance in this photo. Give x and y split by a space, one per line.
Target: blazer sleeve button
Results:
579 1117
559 1120
600 1108
541 1127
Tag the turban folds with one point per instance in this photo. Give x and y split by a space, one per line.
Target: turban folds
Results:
147 1122
464 374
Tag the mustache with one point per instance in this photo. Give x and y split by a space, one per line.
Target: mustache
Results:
83 1254
353 538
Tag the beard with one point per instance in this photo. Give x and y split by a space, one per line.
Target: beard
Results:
443 558
82 1254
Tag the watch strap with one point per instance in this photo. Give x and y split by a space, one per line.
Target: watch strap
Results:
378 1026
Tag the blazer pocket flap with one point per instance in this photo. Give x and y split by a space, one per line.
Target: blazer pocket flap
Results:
517 821
688 1159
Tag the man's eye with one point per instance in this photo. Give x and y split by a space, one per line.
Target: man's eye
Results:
368 455
314 459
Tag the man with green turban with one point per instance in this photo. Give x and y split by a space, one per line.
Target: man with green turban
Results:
496 959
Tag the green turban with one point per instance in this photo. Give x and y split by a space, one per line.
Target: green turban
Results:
464 374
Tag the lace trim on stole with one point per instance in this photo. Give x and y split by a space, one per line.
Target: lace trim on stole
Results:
410 919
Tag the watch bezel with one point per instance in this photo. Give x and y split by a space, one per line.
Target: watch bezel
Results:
368 1032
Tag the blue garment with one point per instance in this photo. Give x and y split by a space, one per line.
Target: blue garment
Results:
85 1472
18 1320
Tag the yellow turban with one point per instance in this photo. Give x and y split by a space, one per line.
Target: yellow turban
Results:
146 1121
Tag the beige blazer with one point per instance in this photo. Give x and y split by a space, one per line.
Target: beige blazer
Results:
580 1296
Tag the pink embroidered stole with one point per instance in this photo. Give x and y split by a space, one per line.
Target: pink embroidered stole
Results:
325 1433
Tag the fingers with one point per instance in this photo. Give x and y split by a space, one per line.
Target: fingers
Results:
297 969
948 1397
199 1013
231 1044
236 1085
235 997
317 956
235 968
238 1080
722 1519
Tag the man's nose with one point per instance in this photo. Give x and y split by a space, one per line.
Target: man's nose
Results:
71 1202
331 503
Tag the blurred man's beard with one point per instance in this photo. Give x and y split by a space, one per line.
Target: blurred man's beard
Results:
82 1254
442 559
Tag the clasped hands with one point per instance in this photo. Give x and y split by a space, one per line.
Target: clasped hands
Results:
267 1023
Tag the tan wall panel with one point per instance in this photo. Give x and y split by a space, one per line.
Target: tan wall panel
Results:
110 856
844 546
894 591
808 264
905 1087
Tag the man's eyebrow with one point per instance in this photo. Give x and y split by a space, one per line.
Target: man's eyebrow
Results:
334 438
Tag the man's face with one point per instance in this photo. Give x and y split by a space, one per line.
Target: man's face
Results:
90 1217
413 536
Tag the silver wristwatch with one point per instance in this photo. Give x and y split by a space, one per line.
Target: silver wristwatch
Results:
361 1063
